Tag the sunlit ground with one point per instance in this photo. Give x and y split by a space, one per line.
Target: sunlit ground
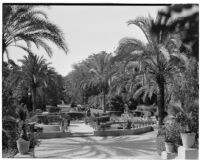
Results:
134 147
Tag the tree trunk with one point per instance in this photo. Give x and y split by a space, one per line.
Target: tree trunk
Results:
104 102
161 102
34 98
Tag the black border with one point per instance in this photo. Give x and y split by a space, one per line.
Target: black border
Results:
92 4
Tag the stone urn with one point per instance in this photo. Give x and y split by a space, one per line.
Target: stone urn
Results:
188 139
23 146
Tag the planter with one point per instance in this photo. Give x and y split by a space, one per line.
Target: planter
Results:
23 146
98 127
188 139
62 128
169 146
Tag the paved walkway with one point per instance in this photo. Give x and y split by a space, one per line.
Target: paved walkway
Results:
134 147
80 128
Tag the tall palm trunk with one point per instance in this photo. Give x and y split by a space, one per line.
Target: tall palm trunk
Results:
161 101
34 98
104 101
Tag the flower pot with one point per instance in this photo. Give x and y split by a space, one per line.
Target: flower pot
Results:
23 146
169 146
188 139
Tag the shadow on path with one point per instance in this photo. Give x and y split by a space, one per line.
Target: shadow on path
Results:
135 146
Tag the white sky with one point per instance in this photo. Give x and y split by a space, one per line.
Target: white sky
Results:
89 29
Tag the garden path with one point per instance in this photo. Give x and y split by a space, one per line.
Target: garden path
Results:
131 146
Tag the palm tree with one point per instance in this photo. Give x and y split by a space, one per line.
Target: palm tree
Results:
101 71
159 59
35 73
23 23
122 81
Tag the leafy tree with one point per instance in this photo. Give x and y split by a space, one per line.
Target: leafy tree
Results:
53 93
26 23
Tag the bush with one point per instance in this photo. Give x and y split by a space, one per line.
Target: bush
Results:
115 113
103 119
116 104
53 109
42 119
10 134
160 146
9 153
76 115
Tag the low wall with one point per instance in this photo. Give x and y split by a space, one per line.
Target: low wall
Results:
53 135
120 132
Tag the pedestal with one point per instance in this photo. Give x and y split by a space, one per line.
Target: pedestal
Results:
18 155
165 155
30 154
187 153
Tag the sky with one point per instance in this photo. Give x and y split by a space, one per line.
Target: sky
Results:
88 30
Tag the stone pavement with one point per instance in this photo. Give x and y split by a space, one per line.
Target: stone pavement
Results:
134 147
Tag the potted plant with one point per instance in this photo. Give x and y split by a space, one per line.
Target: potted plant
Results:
23 142
187 134
168 137
187 118
169 145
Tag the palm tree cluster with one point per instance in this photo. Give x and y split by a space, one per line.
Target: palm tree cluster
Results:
140 70
23 27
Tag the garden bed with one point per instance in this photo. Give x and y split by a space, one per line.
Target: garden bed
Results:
120 132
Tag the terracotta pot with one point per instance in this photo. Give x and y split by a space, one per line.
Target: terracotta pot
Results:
169 146
188 139
23 146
